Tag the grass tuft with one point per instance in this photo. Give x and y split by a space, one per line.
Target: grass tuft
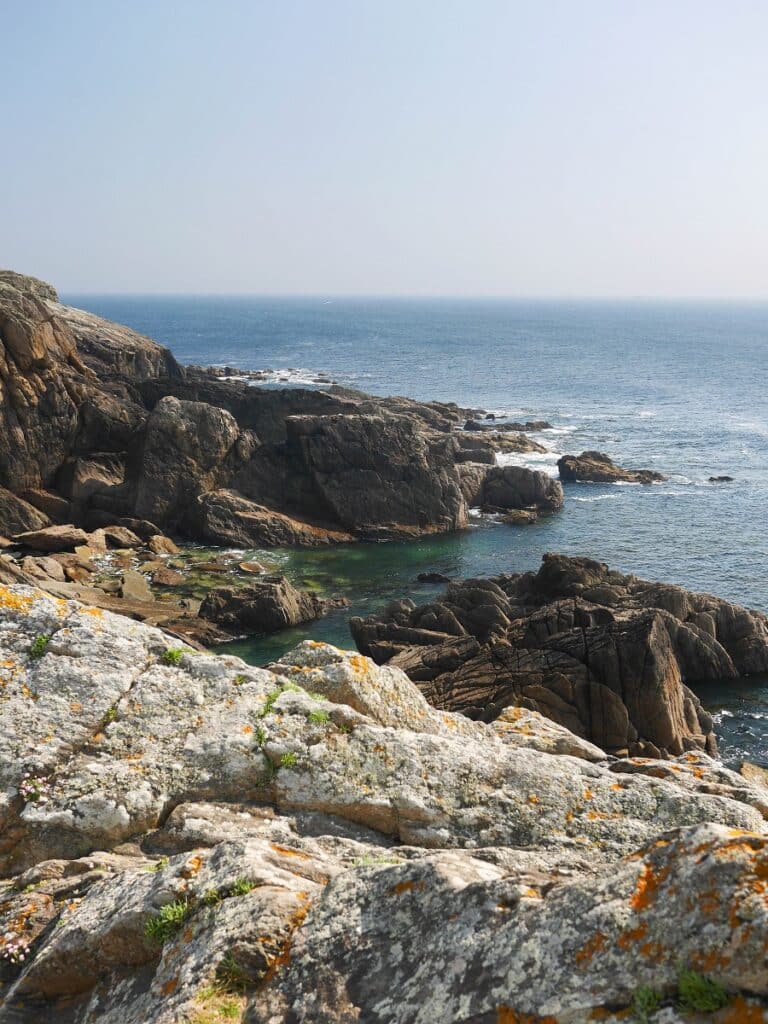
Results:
165 924
698 993
39 646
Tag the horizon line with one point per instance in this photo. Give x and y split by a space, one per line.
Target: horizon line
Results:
382 296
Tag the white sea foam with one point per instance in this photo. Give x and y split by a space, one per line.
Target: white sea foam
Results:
545 461
596 497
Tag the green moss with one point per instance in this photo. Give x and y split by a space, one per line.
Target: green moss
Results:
39 646
289 760
164 925
111 714
240 679
211 897
695 992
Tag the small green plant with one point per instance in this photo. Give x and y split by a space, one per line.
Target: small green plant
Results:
240 679
260 735
211 897
159 865
172 656
344 727
241 887
645 1001
318 717
288 760
695 992
164 925
111 714
269 703
39 646
230 975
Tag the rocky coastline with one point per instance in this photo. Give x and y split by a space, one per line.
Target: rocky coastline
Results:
507 807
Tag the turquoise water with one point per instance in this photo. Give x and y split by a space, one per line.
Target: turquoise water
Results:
677 386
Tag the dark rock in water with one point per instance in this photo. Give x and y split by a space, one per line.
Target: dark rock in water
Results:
510 487
611 657
432 577
264 606
721 480
531 426
164 577
596 467
520 517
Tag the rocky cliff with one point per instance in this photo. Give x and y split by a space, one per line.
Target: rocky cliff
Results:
100 426
185 838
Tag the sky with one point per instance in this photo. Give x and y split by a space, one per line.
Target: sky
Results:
387 147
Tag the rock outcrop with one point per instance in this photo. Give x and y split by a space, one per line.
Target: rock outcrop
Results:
596 467
107 427
186 838
611 657
267 605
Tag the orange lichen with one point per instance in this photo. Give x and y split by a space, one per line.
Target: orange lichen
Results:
359 664
533 799
631 936
741 1012
588 794
594 945
506 1015
170 986
648 884
247 729
409 886
286 851
16 602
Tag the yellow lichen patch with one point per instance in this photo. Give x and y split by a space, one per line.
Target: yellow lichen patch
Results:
617 786
594 945
97 613
247 729
16 602
359 664
532 798
588 794
191 867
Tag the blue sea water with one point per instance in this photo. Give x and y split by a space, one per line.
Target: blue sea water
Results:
675 386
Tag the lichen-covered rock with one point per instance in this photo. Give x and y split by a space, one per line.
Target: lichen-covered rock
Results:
184 837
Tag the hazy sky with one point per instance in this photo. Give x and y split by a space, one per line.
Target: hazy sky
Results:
428 147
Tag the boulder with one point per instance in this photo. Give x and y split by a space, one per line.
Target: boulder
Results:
161 545
226 517
52 538
516 487
135 586
52 505
121 537
264 606
597 467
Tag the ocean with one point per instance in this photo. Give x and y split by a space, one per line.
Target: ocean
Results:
679 387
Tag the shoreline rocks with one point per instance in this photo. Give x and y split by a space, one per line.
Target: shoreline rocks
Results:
597 467
611 657
265 606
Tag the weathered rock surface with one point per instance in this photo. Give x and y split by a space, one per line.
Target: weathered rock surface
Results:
189 838
610 657
600 468
264 606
